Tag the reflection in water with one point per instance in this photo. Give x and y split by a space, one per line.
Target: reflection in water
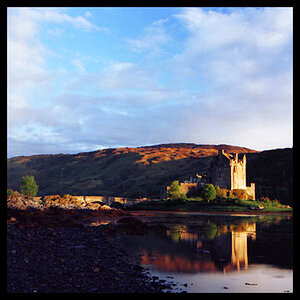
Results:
178 263
239 254
228 250
214 246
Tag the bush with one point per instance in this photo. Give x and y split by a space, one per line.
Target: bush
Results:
28 186
240 194
183 197
221 192
264 199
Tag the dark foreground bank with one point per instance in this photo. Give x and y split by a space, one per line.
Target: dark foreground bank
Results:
69 258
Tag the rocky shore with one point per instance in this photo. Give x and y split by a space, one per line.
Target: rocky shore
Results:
55 250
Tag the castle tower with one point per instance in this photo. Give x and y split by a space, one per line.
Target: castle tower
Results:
228 171
221 170
238 173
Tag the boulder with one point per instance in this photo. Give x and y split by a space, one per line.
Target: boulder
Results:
105 207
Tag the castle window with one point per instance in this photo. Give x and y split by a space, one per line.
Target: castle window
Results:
234 169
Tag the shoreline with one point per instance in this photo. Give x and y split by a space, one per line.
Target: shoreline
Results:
210 212
68 257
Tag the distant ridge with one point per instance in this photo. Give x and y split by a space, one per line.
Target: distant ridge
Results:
143 171
203 146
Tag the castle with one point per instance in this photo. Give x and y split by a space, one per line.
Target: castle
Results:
226 171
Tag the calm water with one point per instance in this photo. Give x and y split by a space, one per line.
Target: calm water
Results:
217 253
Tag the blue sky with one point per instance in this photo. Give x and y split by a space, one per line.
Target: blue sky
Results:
82 79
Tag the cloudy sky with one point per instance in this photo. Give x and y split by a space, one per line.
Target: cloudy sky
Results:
82 79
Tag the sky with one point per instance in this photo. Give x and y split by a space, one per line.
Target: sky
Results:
87 78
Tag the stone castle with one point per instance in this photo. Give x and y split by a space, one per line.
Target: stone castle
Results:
226 171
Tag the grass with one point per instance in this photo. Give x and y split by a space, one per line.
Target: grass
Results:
197 204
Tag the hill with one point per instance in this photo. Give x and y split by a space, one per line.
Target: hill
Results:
143 171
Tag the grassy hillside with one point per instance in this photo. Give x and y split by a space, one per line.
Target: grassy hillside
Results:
141 171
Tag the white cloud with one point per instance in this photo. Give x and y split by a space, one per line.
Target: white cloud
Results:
152 39
270 27
88 14
229 50
78 64
55 15
117 77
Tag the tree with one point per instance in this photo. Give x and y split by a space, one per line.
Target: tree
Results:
174 192
28 186
209 192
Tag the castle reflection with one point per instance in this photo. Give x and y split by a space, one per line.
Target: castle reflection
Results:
213 248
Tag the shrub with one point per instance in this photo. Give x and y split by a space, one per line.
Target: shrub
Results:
183 197
264 199
10 192
230 193
220 192
240 194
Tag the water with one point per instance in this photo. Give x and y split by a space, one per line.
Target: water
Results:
208 253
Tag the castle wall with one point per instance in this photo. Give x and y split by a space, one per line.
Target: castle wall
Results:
186 188
251 190
221 173
109 200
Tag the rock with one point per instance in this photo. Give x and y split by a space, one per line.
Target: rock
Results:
105 207
22 202
204 251
79 247
96 269
256 207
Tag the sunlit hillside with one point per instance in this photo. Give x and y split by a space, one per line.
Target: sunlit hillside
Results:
143 171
